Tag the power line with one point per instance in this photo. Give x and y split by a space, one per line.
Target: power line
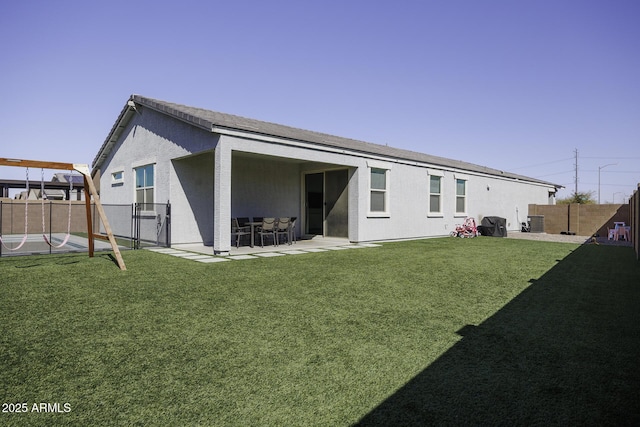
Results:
610 185
612 158
542 164
610 171
551 174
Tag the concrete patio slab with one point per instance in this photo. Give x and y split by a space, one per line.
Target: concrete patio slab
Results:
181 254
239 257
211 259
201 253
296 252
197 256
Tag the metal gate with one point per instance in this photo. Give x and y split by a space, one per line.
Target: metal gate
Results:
143 224
152 224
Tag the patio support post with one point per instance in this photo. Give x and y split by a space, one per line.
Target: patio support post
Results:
354 205
222 199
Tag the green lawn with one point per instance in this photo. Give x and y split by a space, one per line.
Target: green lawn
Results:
443 331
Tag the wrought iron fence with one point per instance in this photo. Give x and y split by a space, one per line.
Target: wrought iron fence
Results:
152 224
60 226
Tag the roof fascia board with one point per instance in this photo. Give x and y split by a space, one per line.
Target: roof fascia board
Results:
129 110
364 155
120 124
172 112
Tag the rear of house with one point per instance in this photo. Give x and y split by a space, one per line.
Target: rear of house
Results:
213 166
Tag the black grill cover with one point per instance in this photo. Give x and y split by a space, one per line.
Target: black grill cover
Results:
494 226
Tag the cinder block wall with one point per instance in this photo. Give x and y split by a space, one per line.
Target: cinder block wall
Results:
13 216
584 220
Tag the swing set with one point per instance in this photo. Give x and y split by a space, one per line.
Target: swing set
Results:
88 184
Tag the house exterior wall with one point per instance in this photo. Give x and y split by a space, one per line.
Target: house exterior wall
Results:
265 186
210 177
150 138
507 199
408 213
153 138
191 195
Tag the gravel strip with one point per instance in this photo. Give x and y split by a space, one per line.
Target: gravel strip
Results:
563 238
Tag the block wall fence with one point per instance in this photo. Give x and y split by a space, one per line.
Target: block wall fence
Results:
583 220
56 216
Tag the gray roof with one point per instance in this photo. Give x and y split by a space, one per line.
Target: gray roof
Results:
65 177
208 120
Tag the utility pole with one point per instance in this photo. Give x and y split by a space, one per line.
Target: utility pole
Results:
576 179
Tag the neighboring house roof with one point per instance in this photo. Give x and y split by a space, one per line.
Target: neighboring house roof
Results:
54 194
213 120
65 177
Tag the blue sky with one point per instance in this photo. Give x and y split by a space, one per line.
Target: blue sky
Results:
514 85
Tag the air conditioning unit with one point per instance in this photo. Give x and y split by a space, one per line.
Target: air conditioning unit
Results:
536 222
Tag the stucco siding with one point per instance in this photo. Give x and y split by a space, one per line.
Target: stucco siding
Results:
150 138
191 183
408 211
503 198
265 186
302 153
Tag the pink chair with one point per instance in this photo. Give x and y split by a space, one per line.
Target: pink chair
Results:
622 232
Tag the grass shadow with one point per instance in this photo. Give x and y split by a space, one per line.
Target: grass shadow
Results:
42 260
61 259
564 351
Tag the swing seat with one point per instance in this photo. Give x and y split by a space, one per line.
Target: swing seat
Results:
64 242
44 231
22 242
26 219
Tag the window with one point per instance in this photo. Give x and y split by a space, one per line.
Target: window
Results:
461 196
435 194
144 184
117 178
378 190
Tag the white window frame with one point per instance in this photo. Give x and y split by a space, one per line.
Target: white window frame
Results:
145 187
385 191
440 176
117 178
461 196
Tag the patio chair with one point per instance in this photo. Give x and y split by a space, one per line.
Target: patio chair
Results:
282 229
237 232
267 228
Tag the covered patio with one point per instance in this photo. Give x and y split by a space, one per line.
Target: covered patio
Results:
261 186
313 192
